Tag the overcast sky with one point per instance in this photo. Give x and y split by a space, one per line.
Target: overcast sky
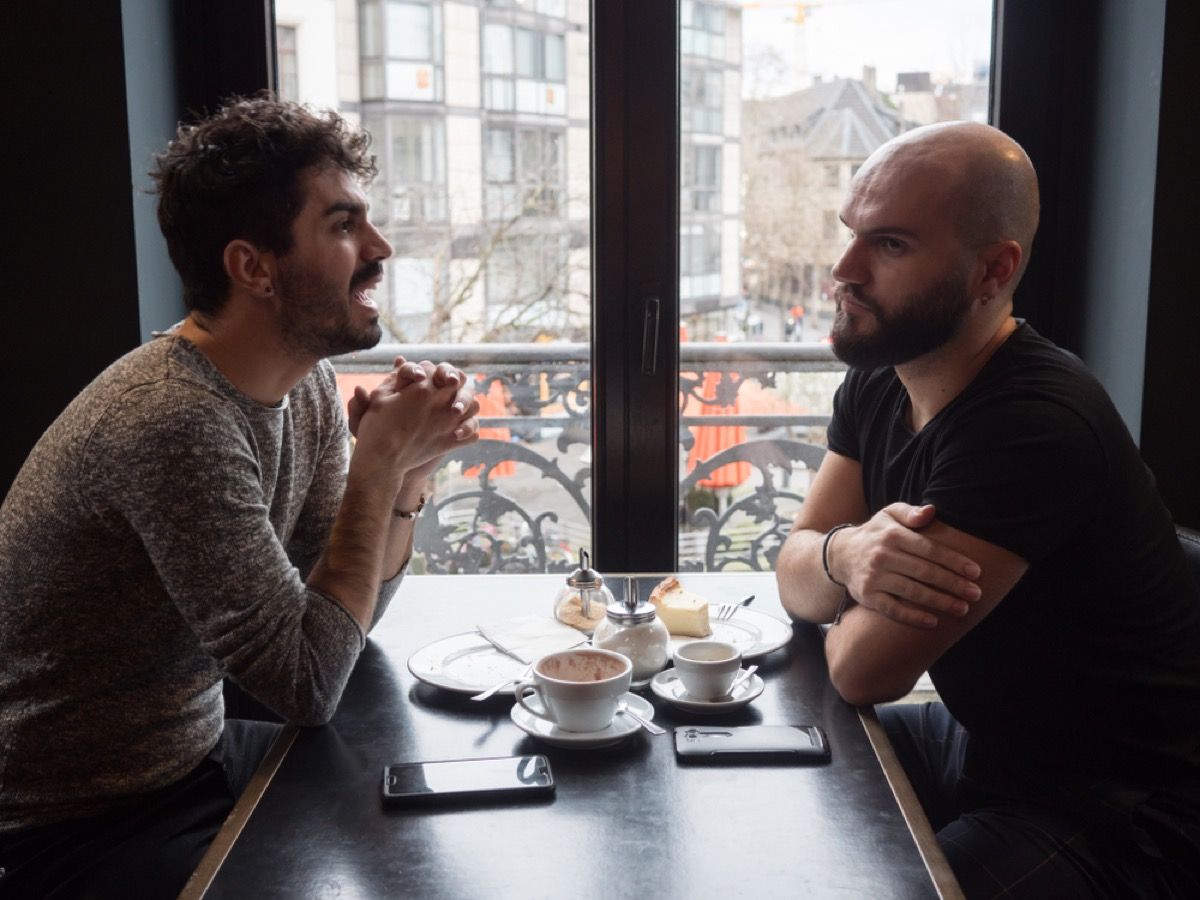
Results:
839 37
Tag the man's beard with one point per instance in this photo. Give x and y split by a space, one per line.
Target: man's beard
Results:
316 318
923 323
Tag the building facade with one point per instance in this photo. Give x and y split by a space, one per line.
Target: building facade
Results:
480 114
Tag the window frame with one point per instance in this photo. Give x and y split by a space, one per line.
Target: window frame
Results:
635 220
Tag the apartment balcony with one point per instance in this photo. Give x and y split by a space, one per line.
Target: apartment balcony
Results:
752 433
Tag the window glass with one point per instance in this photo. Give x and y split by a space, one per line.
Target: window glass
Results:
529 57
497 49
818 87
289 78
409 31
701 173
484 192
371 27
481 136
499 162
701 99
555 58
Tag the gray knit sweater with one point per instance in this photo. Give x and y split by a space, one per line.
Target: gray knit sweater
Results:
158 538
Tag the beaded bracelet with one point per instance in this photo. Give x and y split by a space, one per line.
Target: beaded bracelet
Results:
411 513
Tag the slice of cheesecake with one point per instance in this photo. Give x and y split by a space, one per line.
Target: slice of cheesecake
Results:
683 612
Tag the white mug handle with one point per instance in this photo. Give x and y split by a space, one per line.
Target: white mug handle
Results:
520 693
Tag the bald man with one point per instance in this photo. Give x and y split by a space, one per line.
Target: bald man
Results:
984 515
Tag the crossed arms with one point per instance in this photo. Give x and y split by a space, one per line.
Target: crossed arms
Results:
917 584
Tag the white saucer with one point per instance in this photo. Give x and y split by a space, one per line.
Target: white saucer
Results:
621 727
668 686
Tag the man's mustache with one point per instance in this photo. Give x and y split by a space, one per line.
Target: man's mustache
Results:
369 272
855 293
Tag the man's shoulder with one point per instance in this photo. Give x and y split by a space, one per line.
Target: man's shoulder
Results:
152 398
1035 380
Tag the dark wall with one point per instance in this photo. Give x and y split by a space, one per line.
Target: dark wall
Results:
1099 96
69 255
86 266
1170 438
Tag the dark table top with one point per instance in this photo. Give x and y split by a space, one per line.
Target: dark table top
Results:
627 820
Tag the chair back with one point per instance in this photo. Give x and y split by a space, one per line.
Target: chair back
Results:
1190 541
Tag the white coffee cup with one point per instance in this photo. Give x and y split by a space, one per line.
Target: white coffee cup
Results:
578 689
707 668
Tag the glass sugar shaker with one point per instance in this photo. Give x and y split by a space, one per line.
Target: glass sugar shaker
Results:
582 602
634 630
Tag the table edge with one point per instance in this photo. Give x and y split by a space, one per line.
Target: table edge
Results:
931 853
206 872
914 816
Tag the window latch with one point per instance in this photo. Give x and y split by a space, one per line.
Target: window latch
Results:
650 337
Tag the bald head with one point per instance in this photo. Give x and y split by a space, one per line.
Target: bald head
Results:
978 175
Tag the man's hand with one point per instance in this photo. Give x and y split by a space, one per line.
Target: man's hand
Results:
403 373
889 566
415 415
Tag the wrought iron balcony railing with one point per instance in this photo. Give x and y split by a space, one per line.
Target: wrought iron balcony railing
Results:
753 417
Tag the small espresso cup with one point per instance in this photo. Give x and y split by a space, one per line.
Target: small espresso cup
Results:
578 689
707 668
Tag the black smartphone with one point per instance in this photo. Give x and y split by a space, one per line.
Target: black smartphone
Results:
751 743
476 780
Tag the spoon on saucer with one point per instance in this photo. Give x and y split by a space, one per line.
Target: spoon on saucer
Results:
737 682
623 708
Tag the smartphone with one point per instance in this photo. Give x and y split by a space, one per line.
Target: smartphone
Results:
751 743
476 780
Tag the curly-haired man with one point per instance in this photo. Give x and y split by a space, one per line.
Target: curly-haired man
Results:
195 514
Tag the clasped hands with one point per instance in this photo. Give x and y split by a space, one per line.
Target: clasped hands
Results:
889 565
415 415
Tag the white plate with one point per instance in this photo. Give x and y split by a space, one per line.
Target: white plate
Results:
464 663
668 686
621 727
752 632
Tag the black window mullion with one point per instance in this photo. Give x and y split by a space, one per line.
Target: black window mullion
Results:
635 174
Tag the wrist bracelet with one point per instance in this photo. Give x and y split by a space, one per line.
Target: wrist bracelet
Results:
825 551
846 599
412 513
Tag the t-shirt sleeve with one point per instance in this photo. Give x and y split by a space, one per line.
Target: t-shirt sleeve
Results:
1019 473
180 471
842 434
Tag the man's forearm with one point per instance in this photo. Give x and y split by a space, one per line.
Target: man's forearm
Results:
806 591
350 570
399 546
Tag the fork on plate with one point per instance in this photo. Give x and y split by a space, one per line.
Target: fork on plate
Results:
726 610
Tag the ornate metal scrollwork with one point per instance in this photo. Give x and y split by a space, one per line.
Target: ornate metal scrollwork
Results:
755 547
495 533
481 521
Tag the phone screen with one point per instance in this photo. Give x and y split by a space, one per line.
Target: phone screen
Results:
467 777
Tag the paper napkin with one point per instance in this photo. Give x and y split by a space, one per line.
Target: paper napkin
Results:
530 637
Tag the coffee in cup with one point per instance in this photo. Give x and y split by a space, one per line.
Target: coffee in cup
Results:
578 689
707 668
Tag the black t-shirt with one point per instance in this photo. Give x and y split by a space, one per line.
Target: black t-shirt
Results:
1089 669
